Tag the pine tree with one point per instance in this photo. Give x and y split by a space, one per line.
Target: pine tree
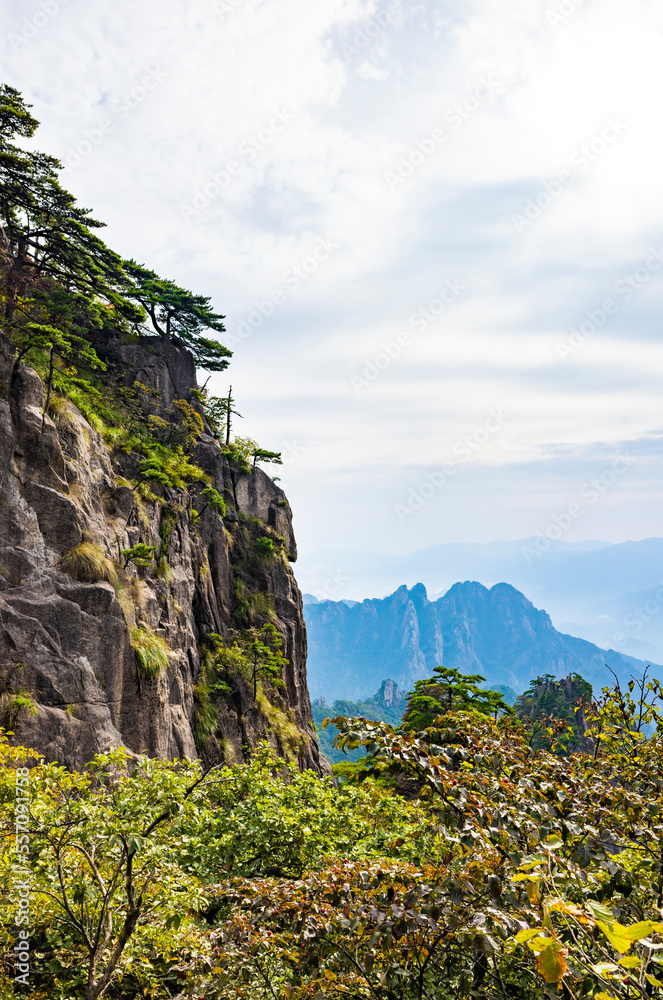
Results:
449 690
177 314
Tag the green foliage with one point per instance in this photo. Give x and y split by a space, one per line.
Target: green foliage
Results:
261 648
89 563
63 292
12 706
213 500
252 608
205 714
174 312
449 689
262 455
165 465
270 818
140 554
269 546
548 701
240 453
151 652
107 889
48 238
216 412
245 452
511 872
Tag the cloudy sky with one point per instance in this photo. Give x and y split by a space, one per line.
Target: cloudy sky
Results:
436 231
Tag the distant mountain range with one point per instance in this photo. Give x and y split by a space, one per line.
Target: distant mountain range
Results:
611 595
495 632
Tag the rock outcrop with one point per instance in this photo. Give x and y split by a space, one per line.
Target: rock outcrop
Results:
66 638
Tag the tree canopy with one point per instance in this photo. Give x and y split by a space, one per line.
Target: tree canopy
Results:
47 241
513 873
449 689
176 313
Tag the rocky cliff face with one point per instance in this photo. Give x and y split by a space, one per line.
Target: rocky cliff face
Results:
497 633
66 640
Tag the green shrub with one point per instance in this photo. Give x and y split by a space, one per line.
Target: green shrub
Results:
205 714
214 500
62 413
265 546
12 706
140 555
151 652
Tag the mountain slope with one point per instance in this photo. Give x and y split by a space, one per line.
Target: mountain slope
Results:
611 595
497 633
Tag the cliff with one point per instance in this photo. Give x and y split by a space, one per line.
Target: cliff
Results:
494 632
69 679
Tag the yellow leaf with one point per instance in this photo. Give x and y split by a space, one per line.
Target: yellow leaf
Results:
557 905
331 976
616 936
217 971
629 962
635 932
653 980
539 943
551 963
534 892
530 932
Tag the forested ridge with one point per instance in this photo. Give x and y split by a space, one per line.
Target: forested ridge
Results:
470 854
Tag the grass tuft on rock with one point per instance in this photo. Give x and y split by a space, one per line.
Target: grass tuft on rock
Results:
88 563
151 652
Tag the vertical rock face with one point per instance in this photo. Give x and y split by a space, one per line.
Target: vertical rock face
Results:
66 632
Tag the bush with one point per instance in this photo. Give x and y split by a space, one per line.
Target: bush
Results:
12 706
140 555
151 652
269 546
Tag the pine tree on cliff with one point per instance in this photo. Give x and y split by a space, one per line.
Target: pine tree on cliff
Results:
47 244
43 233
176 313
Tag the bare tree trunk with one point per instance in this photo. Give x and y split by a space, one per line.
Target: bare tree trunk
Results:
14 278
230 396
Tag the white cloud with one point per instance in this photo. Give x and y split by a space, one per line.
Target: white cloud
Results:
363 83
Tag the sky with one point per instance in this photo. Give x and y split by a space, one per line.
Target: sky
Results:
435 229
